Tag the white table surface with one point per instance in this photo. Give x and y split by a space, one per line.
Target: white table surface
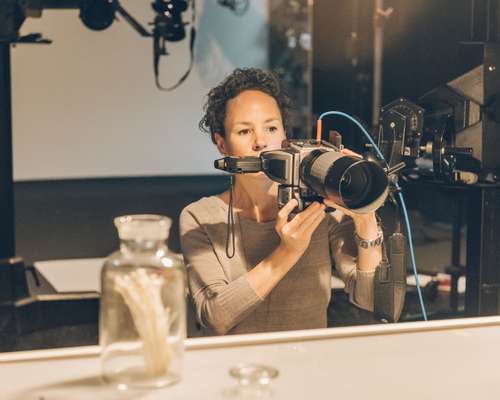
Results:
453 359
83 274
72 275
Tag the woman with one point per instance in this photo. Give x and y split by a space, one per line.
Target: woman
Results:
277 276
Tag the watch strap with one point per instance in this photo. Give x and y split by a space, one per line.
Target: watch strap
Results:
365 244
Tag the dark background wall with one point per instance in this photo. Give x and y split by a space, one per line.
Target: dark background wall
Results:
423 48
74 218
421 51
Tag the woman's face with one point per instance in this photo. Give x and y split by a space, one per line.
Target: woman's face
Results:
253 124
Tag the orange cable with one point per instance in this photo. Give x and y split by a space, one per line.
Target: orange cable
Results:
318 130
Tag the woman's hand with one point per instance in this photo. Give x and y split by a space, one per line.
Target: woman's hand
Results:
295 237
351 153
359 219
296 234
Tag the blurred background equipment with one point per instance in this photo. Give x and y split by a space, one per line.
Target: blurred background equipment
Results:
400 131
446 131
99 15
454 126
239 7
291 57
462 119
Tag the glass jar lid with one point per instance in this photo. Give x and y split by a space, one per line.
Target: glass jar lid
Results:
143 227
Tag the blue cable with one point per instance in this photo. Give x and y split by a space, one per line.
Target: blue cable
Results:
401 199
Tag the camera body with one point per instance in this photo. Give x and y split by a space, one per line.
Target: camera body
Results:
309 170
288 168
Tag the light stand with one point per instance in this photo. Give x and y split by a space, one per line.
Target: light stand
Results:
7 234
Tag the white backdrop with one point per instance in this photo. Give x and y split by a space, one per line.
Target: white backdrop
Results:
87 105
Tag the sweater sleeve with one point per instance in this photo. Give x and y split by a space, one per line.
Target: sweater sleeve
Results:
343 250
220 303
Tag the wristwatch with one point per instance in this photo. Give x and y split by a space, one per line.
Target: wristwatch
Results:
369 243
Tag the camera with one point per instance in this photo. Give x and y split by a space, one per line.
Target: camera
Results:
168 22
426 144
310 170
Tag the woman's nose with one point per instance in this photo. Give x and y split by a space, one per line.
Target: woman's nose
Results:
259 141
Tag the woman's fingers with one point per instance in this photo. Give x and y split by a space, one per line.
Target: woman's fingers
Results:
314 223
348 152
304 216
283 214
312 220
296 234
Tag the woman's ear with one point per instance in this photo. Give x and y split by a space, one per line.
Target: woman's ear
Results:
221 143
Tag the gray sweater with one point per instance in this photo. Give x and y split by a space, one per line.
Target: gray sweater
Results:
224 300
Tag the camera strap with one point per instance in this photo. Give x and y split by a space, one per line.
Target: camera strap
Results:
230 222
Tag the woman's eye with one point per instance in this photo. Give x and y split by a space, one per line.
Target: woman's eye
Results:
244 132
272 129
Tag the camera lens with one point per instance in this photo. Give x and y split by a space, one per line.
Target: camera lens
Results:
356 185
345 181
351 182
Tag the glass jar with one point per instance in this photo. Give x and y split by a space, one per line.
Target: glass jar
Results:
142 318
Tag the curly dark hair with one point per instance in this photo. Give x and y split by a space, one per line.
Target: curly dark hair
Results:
240 80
